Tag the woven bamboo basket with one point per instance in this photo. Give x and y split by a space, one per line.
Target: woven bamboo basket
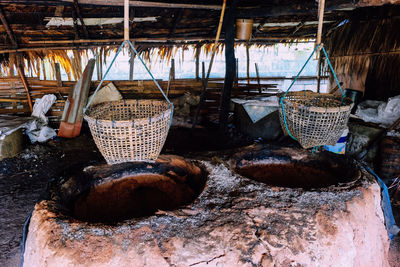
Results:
314 119
130 130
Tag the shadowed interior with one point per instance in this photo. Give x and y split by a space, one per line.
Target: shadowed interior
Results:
307 175
133 195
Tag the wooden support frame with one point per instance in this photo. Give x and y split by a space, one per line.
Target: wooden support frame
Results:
178 18
230 65
148 4
78 12
8 29
203 92
198 50
26 86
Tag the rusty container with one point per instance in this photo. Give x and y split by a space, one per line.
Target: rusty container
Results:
389 157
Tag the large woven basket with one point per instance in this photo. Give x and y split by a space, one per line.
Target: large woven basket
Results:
130 130
314 119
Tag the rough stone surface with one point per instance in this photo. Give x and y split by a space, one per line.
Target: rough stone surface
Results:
234 222
11 145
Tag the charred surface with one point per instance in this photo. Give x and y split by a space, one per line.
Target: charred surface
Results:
307 172
111 193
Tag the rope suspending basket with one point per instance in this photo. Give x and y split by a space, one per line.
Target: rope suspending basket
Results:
130 130
314 119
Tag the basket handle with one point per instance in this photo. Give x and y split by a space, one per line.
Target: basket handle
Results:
109 67
319 46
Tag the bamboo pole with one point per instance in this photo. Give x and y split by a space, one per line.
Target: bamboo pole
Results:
7 28
221 19
258 78
26 86
321 8
126 22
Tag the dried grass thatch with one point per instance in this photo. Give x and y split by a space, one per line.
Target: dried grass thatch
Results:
368 46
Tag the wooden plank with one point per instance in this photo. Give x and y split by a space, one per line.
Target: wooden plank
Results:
58 74
7 28
78 12
147 4
229 66
26 86
13 100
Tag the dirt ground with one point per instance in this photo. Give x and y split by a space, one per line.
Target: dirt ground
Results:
23 180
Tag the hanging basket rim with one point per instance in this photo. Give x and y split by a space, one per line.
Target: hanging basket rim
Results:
347 103
139 121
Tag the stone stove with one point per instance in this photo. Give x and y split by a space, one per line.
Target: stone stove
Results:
264 207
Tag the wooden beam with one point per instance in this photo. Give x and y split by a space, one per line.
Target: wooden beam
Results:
203 92
147 4
172 69
175 24
75 25
26 86
131 63
321 8
7 28
126 21
198 50
258 78
78 12
303 8
230 65
247 62
58 74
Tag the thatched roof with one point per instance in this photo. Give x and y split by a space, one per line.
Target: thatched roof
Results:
50 24
39 28
364 44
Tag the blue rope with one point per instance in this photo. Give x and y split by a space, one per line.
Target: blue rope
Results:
333 72
295 79
104 77
147 69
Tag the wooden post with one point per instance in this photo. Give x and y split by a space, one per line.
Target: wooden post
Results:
126 21
26 86
97 64
321 7
203 72
319 74
75 24
258 78
203 91
44 70
131 64
248 62
78 12
173 69
198 49
58 74
229 65
11 64
237 73
8 29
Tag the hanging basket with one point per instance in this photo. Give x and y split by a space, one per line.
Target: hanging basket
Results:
314 119
130 130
